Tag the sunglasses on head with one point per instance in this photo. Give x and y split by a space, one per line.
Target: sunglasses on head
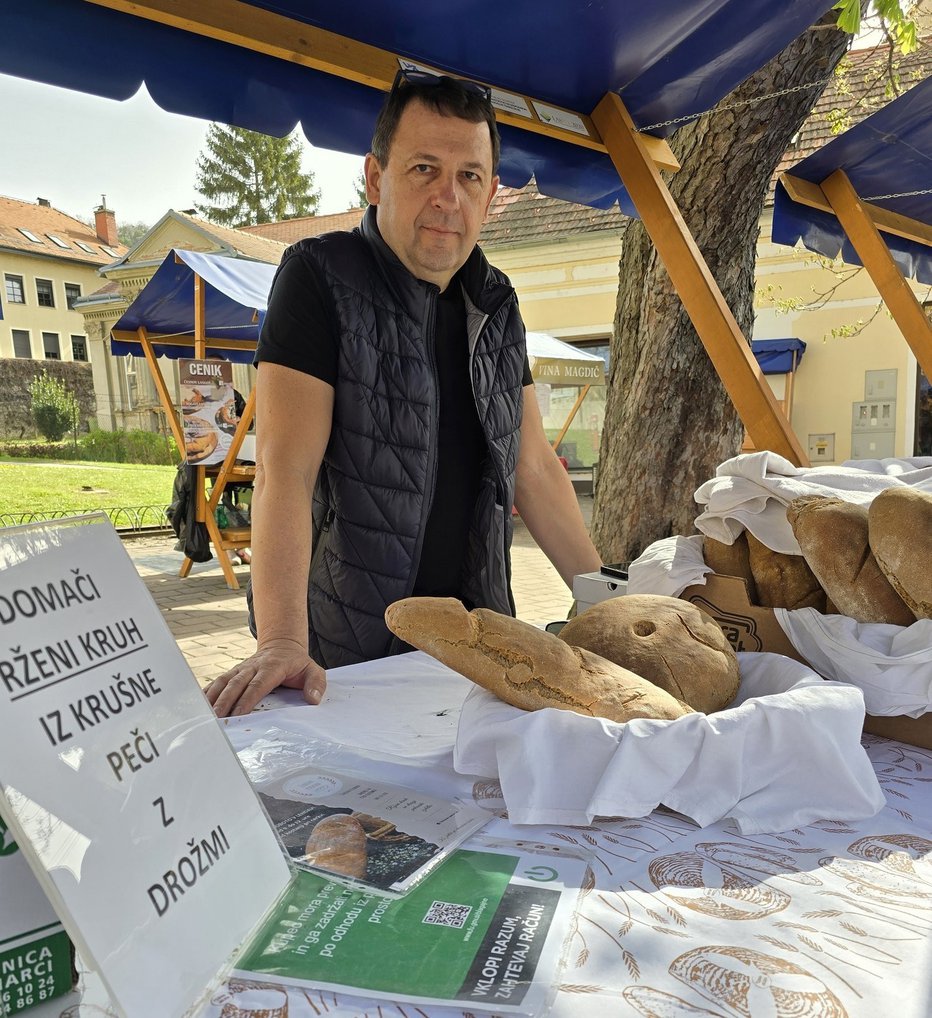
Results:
415 77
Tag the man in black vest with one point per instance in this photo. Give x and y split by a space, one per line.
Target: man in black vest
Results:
396 416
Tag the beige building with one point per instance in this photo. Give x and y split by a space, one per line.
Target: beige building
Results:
126 394
49 261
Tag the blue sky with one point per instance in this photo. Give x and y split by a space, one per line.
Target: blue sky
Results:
72 148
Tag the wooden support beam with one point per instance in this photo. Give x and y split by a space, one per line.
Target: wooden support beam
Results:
572 414
263 31
161 388
876 258
719 332
812 195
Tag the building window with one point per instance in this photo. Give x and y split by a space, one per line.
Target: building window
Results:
72 293
52 346
15 293
85 247
57 241
29 235
21 345
44 293
78 348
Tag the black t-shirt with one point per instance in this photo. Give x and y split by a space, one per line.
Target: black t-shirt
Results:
300 331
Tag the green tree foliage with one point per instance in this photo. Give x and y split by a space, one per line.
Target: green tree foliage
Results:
249 178
894 16
131 233
54 407
359 185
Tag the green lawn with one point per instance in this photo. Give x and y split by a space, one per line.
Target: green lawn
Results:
51 486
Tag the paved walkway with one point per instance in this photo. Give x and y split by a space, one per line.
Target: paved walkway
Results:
208 620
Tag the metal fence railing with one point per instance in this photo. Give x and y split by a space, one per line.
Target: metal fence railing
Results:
131 519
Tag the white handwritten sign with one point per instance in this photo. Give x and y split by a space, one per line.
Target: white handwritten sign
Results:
118 783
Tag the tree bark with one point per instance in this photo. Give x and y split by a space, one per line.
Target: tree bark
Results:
668 420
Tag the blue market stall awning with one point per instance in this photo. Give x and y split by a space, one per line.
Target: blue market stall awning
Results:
668 60
778 356
888 154
235 297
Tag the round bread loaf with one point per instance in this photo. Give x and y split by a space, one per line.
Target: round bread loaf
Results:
783 581
731 560
526 666
899 525
832 534
667 641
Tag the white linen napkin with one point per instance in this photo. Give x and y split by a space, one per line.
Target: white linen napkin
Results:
752 491
891 665
787 753
668 566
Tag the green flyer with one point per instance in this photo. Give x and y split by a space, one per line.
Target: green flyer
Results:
487 929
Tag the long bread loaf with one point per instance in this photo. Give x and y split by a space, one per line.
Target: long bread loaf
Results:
900 532
832 534
526 666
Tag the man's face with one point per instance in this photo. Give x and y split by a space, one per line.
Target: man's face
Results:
434 193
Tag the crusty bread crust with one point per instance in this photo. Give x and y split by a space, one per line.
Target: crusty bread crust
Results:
665 640
900 530
526 666
833 536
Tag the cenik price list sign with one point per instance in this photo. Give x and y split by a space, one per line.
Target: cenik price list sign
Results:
117 782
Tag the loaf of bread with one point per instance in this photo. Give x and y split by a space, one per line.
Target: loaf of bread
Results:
526 666
783 581
731 560
900 531
833 536
665 640
338 844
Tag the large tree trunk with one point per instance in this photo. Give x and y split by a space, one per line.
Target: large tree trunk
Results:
668 419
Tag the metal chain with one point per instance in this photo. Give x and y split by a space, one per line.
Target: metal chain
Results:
902 194
733 106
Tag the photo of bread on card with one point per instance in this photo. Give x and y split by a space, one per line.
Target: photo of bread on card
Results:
525 666
338 844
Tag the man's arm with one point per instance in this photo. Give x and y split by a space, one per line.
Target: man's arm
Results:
546 500
294 413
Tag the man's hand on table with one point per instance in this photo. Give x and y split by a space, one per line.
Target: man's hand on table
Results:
277 663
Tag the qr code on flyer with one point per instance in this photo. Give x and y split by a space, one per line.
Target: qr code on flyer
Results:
444 913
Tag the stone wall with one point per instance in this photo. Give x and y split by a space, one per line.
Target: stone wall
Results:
16 403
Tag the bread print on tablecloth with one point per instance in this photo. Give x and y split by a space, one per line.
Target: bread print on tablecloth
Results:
753 984
696 882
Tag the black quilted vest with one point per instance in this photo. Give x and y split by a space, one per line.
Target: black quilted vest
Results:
375 486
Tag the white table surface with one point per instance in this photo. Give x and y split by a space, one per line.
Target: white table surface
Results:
833 919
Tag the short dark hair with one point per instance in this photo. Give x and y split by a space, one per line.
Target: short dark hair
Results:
446 96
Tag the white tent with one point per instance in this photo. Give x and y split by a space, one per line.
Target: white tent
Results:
554 362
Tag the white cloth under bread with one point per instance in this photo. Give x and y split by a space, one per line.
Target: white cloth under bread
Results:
891 665
758 762
752 491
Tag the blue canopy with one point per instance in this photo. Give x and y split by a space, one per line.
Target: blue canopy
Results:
888 153
666 60
236 296
776 356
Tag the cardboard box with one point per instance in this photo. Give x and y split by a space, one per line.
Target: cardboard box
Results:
35 952
750 627
747 626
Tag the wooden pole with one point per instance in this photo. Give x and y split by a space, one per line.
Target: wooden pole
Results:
572 414
161 388
730 352
875 255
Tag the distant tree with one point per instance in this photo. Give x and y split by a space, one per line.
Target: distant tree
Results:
131 233
359 185
54 407
249 178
